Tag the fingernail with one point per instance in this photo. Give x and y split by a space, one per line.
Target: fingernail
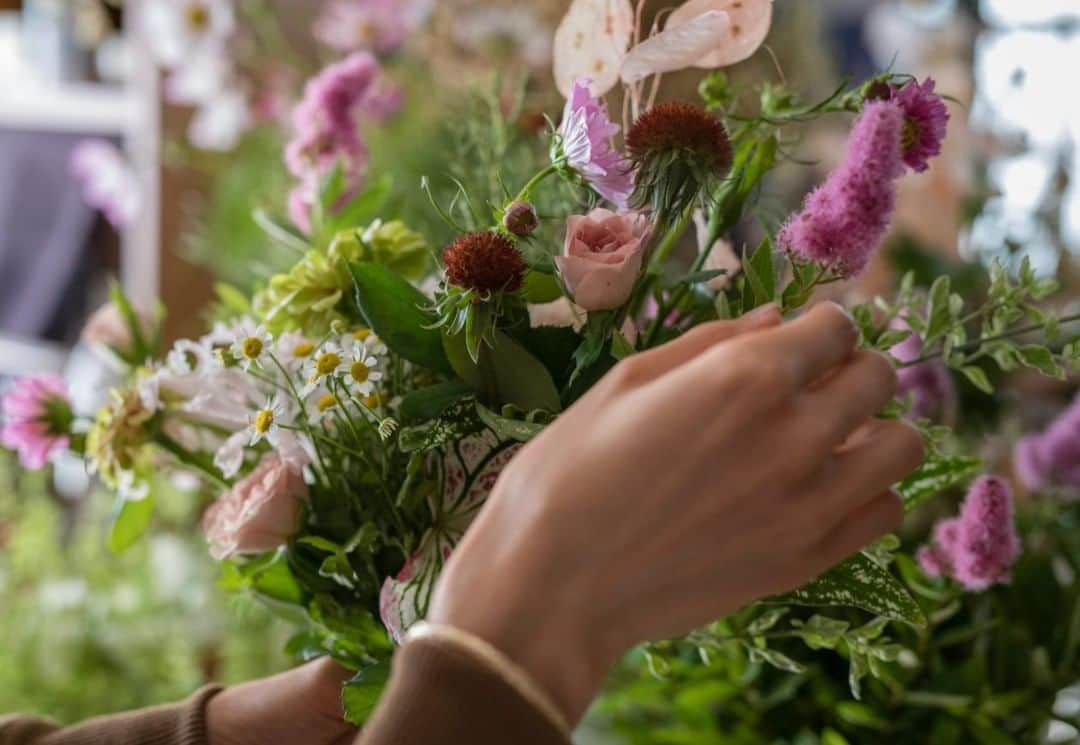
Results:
759 314
842 309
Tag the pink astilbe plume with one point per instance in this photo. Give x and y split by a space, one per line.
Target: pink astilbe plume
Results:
36 419
927 386
978 548
926 120
845 219
1052 458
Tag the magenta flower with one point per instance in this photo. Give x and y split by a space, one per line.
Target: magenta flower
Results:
845 219
37 419
327 122
585 135
978 548
1052 458
925 121
927 387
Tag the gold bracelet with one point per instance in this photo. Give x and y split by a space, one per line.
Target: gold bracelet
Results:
497 662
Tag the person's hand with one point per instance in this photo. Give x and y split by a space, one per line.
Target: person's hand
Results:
695 478
298 706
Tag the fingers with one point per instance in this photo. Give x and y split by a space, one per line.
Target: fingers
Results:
810 346
851 395
861 527
882 455
656 362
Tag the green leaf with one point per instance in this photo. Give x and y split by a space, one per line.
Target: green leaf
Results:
428 403
978 378
761 274
457 421
508 429
936 475
859 583
518 377
362 209
235 300
539 287
130 521
621 348
279 233
362 692
1042 359
777 659
393 309
938 313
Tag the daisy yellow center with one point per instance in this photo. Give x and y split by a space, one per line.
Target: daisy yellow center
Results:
198 17
252 347
327 401
371 401
264 420
303 349
360 372
327 363
361 334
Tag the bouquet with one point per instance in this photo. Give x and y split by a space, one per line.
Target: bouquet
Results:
353 415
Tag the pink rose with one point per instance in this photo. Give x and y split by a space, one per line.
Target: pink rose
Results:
259 514
602 257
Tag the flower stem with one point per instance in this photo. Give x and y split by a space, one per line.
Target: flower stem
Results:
526 191
974 345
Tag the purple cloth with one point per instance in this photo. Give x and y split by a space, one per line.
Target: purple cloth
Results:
45 237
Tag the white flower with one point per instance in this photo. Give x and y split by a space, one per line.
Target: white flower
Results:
326 362
362 372
131 488
266 422
230 456
292 349
175 30
366 338
251 343
187 357
199 79
149 390
220 121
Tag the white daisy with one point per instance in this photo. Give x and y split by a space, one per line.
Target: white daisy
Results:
266 422
176 30
362 373
292 349
366 338
328 361
251 343
187 357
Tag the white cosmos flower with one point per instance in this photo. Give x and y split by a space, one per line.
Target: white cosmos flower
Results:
362 372
175 30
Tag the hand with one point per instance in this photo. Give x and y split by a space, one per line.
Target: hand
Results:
739 461
301 705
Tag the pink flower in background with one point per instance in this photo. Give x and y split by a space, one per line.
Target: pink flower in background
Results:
259 514
585 133
925 122
369 25
978 548
602 257
927 386
36 419
845 219
1052 458
326 123
108 180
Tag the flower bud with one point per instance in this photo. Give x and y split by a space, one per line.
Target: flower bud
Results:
520 218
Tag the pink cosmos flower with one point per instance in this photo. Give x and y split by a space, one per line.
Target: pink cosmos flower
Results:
586 132
108 180
927 386
1052 458
845 219
259 514
365 25
602 257
36 419
925 122
978 548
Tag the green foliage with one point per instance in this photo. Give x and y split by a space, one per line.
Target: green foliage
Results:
362 692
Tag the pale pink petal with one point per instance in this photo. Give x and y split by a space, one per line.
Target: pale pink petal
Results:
677 47
750 22
591 42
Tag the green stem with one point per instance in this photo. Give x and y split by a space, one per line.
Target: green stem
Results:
526 191
974 345
182 454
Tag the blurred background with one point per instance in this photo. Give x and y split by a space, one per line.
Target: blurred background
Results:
121 159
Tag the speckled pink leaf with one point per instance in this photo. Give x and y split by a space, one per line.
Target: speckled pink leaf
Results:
591 43
676 47
750 22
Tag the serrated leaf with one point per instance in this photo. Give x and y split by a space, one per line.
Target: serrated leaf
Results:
936 475
859 583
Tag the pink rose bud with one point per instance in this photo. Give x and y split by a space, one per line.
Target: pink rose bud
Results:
259 514
520 219
602 257
107 327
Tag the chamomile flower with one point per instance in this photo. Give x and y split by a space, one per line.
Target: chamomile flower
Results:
265 423
251 344
362 372
327 361
366 338
187 357
292 349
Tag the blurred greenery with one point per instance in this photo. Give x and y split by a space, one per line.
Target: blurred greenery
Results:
84 632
